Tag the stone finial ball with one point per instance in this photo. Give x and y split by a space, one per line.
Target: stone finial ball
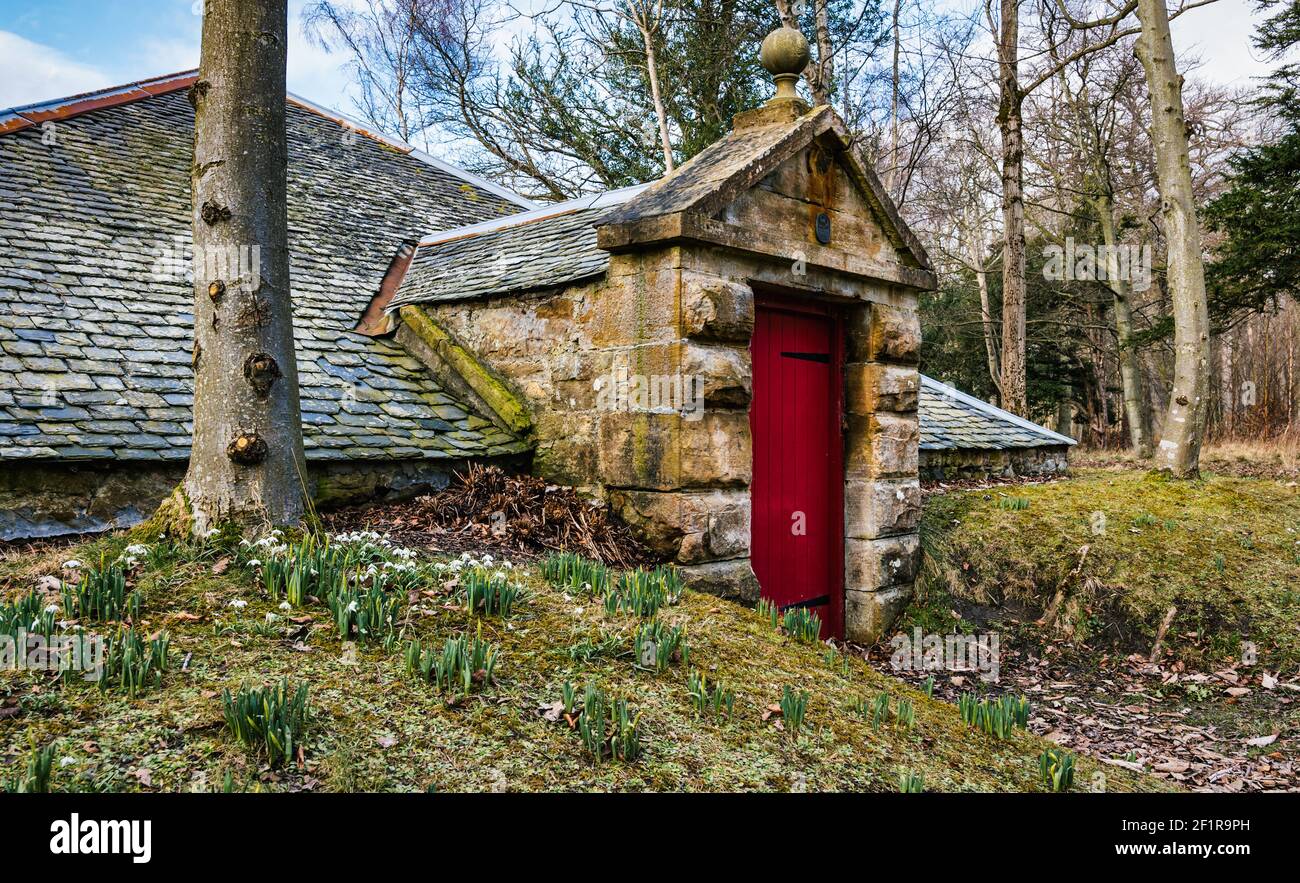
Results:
784 51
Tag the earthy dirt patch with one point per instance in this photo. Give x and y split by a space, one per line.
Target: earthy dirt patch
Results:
1232 730
486 509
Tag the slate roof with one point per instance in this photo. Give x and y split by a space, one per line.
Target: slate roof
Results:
951 419
551 246
95 326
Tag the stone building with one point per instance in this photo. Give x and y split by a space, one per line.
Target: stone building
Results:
964 437
727 356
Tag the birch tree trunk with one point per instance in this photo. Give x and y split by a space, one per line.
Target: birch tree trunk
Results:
1137 406
246 463
661 115
1184 427
1010 110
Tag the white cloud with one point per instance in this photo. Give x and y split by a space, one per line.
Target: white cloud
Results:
1221 35
30 72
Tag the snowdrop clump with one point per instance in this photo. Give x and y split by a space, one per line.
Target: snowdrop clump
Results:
468 561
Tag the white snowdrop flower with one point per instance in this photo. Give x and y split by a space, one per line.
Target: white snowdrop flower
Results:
137 549
239 604
271 617
254 563
352 608
285 605
72 564
212 532
577 611
500 574
67 761
53 608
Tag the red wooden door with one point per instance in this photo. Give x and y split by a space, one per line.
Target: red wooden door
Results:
797 490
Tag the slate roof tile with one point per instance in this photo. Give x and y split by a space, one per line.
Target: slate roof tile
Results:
951 419
95 331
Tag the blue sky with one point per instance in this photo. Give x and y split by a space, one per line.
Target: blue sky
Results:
59 47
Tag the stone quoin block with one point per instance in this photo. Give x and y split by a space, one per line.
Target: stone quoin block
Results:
885 563
665 452
716 309
881 508
868 616
883 445
886 334
873 386
724 375
689 527
733 579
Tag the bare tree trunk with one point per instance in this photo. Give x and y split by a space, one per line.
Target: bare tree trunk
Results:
1180 447
247 462
975 246
1013 211
1137 406
893 103
652 71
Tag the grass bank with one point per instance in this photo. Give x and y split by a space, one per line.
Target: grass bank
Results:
375 727
1112 555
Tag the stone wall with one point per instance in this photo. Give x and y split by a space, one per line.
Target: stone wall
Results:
58 499
1042 462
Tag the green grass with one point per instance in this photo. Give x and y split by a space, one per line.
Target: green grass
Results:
374 727
1224 551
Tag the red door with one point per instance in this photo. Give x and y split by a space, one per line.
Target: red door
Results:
797 490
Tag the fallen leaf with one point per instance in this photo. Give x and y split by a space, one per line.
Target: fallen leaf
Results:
144 776
222 565
1261 741
1237 692
1172 766
50 584
387 741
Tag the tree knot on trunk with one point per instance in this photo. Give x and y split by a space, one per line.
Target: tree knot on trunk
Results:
261 372
247 449
216 289
197 91
213 214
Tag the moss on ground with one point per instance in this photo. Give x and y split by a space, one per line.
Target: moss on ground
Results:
1224 551
375 728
